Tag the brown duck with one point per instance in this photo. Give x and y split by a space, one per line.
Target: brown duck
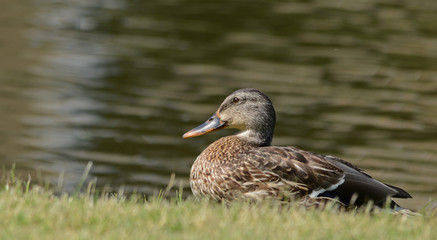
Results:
246 166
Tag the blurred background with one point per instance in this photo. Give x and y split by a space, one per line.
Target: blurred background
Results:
117 82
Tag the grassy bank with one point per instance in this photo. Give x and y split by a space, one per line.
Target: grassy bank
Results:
33 213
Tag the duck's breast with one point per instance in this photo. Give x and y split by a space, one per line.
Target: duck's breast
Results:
218 171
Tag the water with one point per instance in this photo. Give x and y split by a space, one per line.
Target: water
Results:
118 82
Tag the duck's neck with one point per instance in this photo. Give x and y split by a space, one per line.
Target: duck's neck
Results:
257 138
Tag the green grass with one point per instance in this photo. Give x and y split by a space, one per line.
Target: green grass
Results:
34 213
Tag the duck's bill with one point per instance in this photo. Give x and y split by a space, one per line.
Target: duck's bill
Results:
212 124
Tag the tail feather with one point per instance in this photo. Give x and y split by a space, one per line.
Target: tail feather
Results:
401 192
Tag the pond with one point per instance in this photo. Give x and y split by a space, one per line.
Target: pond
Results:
117 83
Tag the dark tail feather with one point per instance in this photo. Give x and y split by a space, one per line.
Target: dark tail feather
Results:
401 192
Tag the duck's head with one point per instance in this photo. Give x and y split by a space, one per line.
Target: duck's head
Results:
248 110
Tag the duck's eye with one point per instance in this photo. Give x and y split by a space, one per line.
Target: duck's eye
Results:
235 100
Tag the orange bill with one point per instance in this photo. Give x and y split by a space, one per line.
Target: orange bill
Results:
212 124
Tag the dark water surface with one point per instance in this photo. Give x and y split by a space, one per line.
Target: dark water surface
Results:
118 82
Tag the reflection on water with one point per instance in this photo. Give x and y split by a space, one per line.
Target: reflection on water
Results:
117 83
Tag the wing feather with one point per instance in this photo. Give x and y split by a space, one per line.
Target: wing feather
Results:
295 165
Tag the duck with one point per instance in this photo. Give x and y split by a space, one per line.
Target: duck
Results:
246 165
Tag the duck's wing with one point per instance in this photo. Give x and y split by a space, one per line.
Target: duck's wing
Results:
294 165
325 176
358 181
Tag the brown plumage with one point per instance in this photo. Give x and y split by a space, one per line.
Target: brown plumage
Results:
246 166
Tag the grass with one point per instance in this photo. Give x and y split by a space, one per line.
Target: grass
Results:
32 212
